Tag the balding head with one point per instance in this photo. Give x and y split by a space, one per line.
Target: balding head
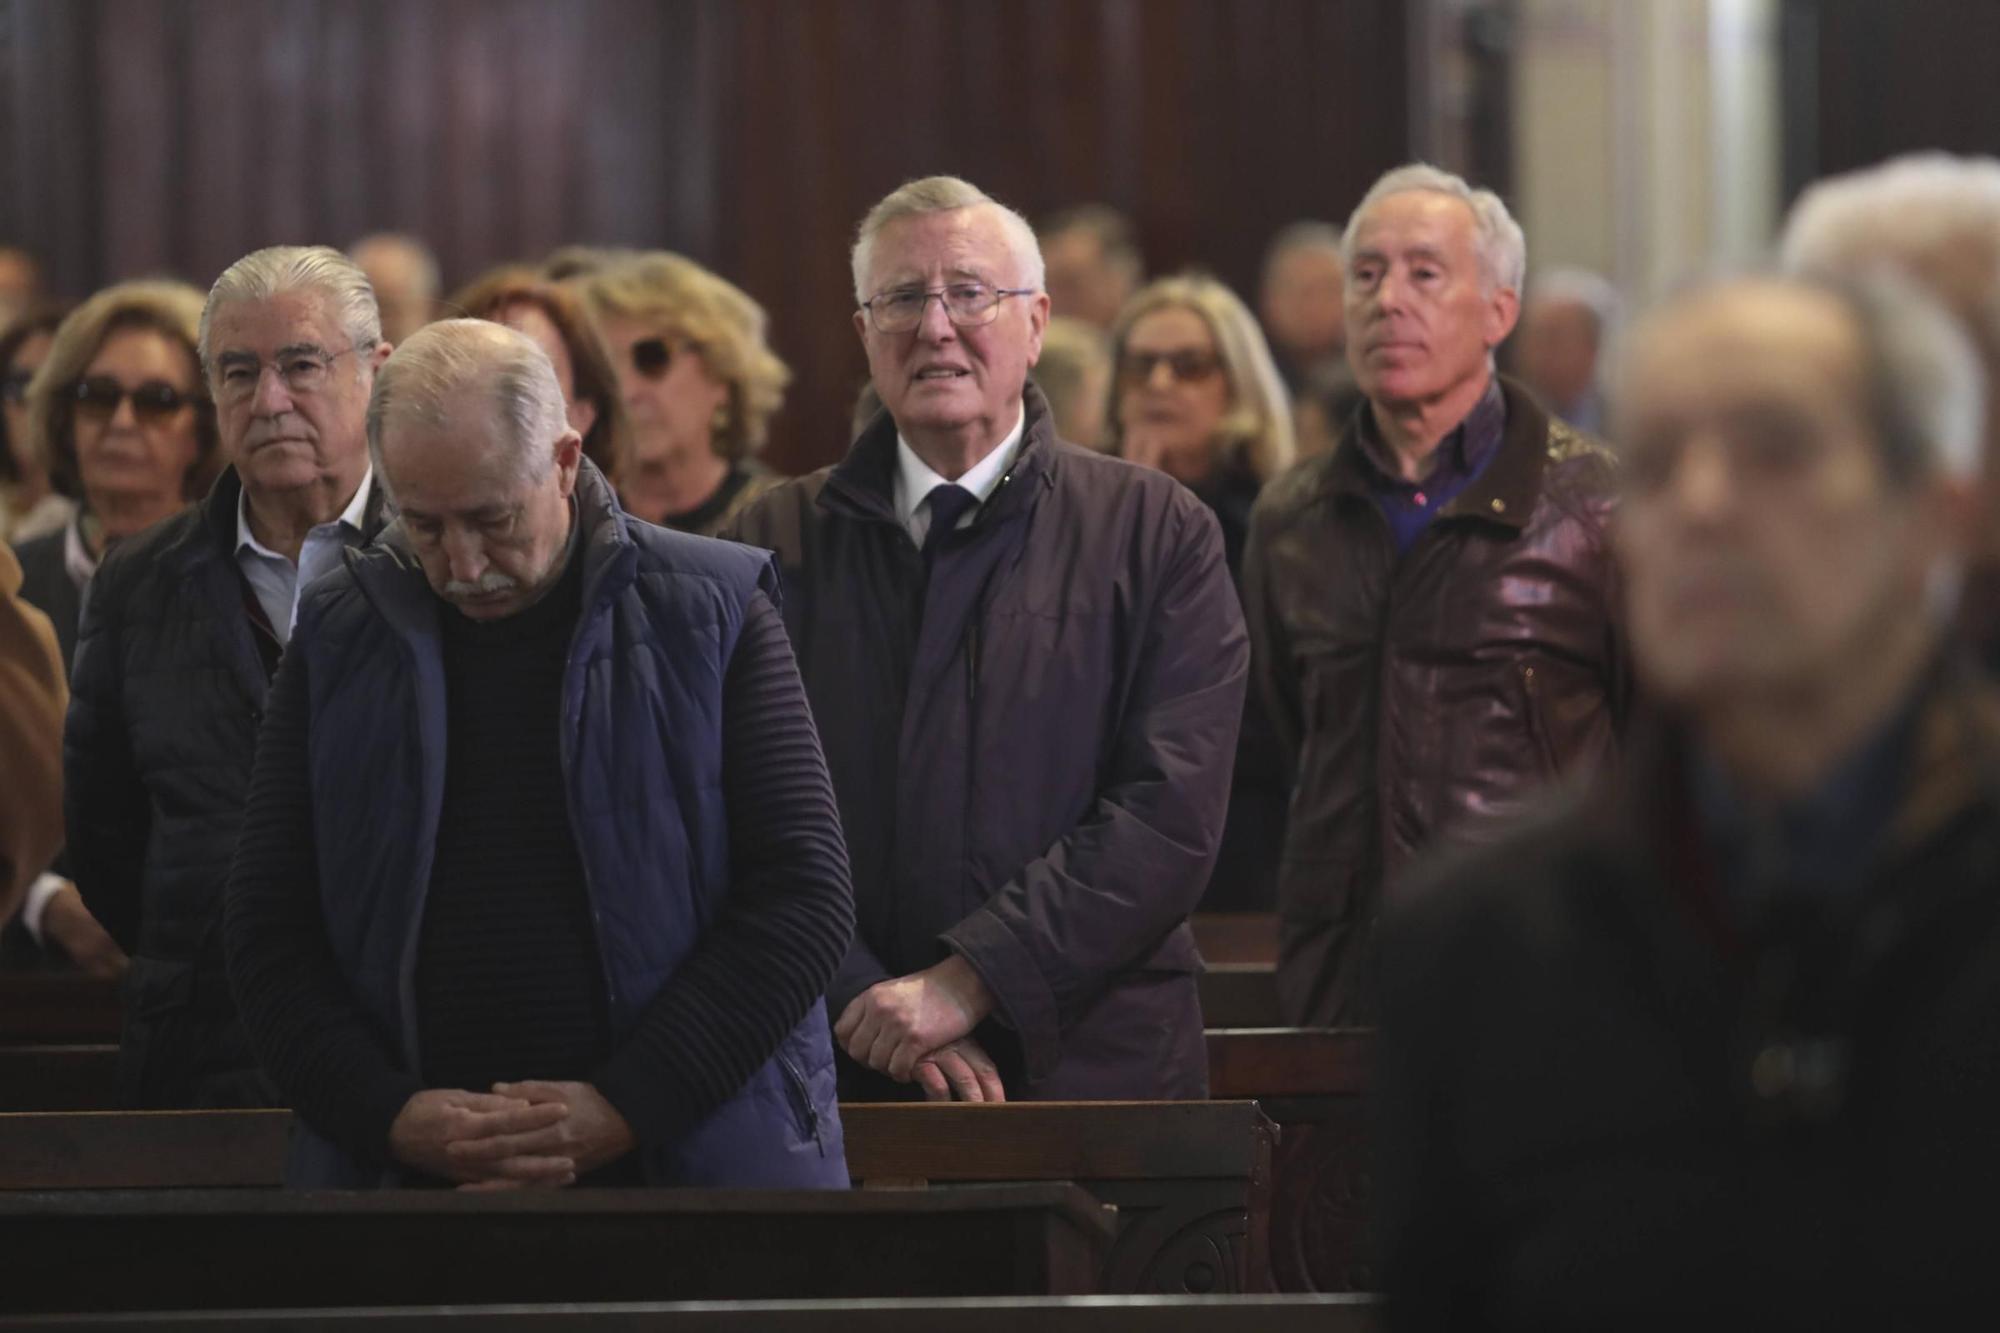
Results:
468 432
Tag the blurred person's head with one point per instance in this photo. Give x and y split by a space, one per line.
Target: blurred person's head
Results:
1434 273
574 263
1795 468
555 318
404 274
1196 388
20 283
1074 373
949 282
1301 297
691 350
24 345
291 339
118 411
1934 218
471 434
1093 263
1564 324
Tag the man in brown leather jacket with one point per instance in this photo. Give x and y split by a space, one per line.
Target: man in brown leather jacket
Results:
1432 606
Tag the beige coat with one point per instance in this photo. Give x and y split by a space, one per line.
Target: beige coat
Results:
32 699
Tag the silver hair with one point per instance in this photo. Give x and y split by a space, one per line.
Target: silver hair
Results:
1920 213
1926 384
277 270
946 194
1503 250
1308 234
442 360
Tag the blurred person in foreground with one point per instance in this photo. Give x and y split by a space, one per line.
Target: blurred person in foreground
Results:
1717 1042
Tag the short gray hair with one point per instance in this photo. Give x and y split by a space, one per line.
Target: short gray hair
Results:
1925 385
945 194
1307 234
1918 213
1503 250
441 360
278 270
1590 292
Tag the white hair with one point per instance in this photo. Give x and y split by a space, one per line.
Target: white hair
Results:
1920 213
1928 387
440 361
429 281
278 270
1503 250
946 194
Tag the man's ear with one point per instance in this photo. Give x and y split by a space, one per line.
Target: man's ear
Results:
1503 312
569 459
380 354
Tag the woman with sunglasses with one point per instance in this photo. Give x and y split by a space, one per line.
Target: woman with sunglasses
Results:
700 386
120 416
29 504
1197 396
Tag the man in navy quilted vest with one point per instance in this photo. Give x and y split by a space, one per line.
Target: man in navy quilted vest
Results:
541 879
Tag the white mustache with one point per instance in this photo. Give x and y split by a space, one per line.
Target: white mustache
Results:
489 582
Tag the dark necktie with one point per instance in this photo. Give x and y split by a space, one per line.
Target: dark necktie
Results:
948 505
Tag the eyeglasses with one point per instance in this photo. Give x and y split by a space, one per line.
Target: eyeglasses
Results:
653 357
16 385
153 402
1187 367
966 304
305 372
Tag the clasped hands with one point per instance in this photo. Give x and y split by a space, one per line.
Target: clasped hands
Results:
918 1029
516 1136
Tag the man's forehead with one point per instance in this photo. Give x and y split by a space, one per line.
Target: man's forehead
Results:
963 240
286 319
1750 345
1415 218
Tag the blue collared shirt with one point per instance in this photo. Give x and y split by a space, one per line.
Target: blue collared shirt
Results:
1411 505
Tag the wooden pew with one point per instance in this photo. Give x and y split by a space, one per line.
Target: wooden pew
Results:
56 1008
1191 1181
1236 937
1069 1314
1315 1084
201 1250
1239 995
58 1078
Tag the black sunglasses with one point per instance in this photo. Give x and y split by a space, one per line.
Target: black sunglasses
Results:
1187 367
16 385
152 402
652 357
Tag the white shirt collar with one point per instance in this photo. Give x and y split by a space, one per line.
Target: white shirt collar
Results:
352 516
915 479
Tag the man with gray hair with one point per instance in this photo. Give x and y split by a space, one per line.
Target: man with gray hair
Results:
1934 218
1432 607
404 274
1565 324
1299 300
541 880
183 630
1028 664
1713 1043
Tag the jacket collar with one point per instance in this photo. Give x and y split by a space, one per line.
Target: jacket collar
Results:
862 485
214 531
1505 493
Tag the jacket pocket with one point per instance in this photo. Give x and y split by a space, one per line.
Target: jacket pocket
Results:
800 1095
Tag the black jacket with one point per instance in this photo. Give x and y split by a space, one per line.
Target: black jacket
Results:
167 691
1031 748
1610 1098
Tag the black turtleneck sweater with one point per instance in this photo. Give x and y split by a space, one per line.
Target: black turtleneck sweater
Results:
509 985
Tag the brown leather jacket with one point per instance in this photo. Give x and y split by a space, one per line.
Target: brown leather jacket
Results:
1426 693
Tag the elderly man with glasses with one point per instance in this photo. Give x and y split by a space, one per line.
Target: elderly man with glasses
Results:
1027 663
181 637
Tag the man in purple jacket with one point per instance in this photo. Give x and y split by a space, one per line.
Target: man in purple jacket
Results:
1028 664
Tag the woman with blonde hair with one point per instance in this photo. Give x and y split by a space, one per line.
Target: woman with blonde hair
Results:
700 386
1197 396
119 414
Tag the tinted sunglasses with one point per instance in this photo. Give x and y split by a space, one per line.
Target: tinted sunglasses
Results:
652 357
1186 367
152 402
16 385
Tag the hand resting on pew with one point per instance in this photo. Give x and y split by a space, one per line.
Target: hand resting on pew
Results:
894 1025
962 1071
523 1137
